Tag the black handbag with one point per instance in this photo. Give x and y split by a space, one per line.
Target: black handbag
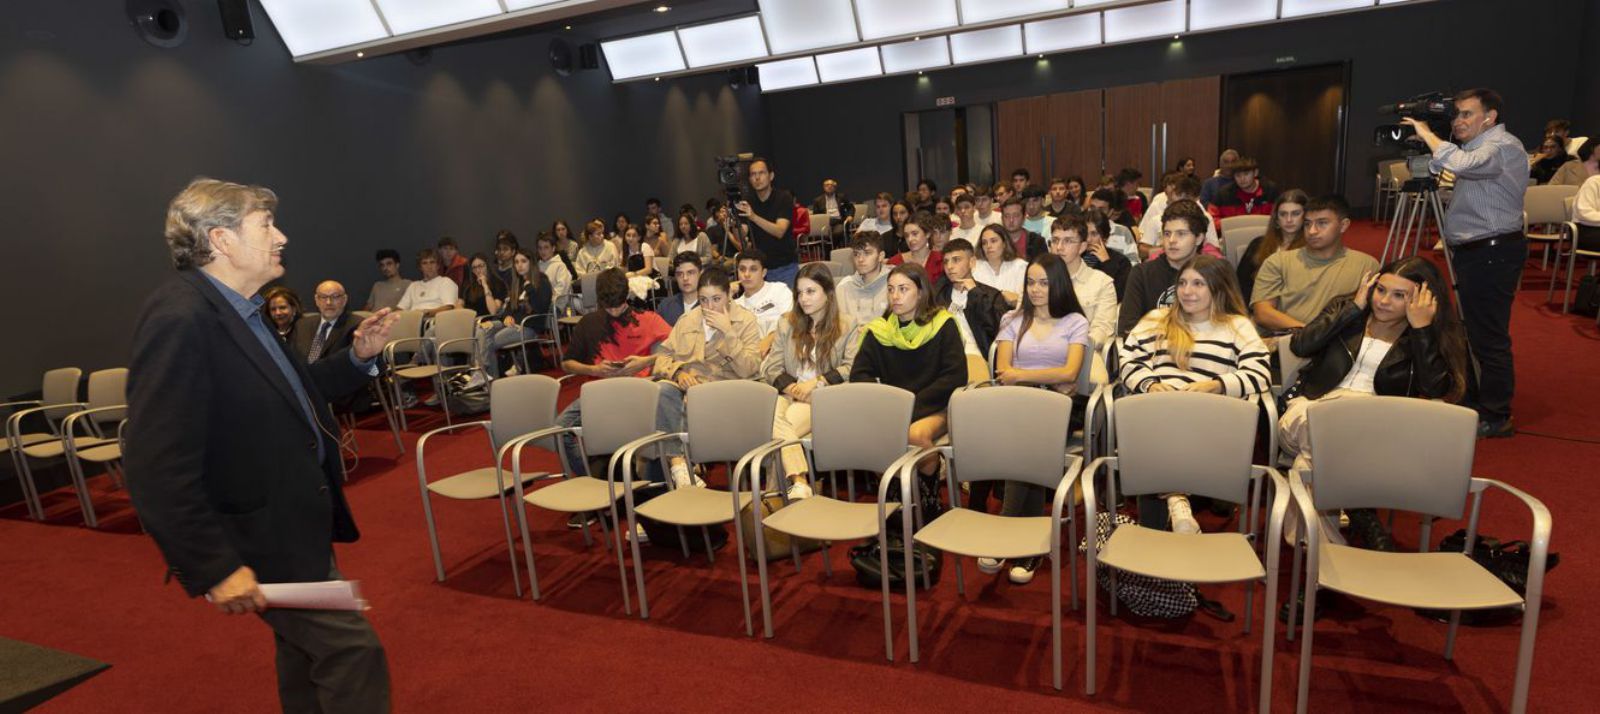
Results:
924 561
1587 301
1507 561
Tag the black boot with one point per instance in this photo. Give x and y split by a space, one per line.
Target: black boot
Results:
1366 527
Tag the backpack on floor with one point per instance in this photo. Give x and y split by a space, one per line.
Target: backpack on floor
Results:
1587 301
869 572
1507 561
1141 594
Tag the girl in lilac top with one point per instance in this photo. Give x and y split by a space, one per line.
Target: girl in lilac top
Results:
1042 342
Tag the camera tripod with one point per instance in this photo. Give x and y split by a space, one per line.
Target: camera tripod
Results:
1417 204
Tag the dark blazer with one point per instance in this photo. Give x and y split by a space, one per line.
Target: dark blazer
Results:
1413 367
985 308
339 338
820 203
220 461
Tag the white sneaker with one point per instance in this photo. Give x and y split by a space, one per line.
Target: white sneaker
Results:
799 490
988 566
682 477
1180 515
1022 570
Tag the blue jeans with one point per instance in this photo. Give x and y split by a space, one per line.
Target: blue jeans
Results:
784 274
669 419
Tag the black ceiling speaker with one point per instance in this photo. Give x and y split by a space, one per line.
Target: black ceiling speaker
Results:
752 76
158 22
736 78
419 56
589 56
561 57
236 23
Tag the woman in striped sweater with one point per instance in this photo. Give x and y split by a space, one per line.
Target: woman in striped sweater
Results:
1203 343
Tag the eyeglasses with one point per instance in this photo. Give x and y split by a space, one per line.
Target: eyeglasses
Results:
330 298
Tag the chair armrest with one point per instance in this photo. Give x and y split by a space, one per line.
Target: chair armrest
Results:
1275 513
444 347
1306 509
72 419
392 346
761 452
626 451
14 422
1539 538
1063 490
1087 477
743 465
21 403
422 441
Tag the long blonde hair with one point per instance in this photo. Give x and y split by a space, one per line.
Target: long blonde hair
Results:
1177 338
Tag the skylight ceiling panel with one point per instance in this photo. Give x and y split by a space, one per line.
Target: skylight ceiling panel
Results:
894 18
723 42
310 26
407 16
643 56
800 25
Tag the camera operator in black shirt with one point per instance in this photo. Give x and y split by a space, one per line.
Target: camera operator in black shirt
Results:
770 214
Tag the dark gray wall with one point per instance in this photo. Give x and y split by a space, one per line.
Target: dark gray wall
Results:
1586 98
852 131
98 130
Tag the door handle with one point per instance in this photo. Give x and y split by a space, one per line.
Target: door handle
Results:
1164 162
1152 149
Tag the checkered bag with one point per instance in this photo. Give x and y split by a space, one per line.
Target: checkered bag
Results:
1143 595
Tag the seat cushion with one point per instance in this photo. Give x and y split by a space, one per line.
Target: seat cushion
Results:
1192 558
423 372
692 506
1443 581
964 531
101 454
577 494
479 483
823 518
52 449
26 439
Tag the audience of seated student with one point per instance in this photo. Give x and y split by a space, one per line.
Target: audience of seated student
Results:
1034 219
618 225
726 236
1095 291
386 293
943 209
1043 342
1203 342
1077 192
1219 177
597 253
879 218
916 346
1026 244
863 295
1020 179
1580 168
711 212
1133 201
1060 203
505 250
639 261
1397 335
900 213
686 267
1551 157
768 301
1285 232
922 198
283 310
985 210
689 238
980 306
939 236
1102 258
329 330
831 203
529 293
1245 194
1150 284
1002 193
615 340
814 346
918 234
1185 166
452 264
434 293
1586 210
655 237
998 265
1174 187
1111 202
555 272
485 293
717 340
1294 286
652 209
567 243
967 226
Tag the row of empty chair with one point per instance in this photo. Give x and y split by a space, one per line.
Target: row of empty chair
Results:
57 426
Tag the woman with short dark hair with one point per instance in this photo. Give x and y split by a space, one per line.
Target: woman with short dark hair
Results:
282 308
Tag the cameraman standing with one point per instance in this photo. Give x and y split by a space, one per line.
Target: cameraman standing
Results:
1483 228
770 215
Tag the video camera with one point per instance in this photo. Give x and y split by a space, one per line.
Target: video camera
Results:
1436 109
733 173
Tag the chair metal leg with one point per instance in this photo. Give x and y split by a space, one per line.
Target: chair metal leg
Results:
744 575
1268 634
1306 623
1055 614
910 580
638 568
433 537
883 567
711 557
511 546
30 493
683 542
761 567
1072 556
622 573
1091 594
527 550
1294 593
1111 602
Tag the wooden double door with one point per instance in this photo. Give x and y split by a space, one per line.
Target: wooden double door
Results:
1086 133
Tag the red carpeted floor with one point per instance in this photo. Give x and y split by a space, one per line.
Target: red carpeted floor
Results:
469 645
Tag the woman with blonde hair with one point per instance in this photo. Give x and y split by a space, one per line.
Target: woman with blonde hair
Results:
815 346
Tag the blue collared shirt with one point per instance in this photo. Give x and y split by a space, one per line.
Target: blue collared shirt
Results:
1491 180
249 310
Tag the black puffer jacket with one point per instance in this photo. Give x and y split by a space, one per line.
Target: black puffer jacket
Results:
1414 366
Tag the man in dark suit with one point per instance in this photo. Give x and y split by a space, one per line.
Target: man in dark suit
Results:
231 454
835 205
330 330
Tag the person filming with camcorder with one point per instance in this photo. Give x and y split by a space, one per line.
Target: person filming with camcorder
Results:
1483 233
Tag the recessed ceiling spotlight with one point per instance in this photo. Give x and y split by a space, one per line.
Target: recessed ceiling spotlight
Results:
919 73
566 27
914 39
359 55
658 79
1174 37
662 8
1041 56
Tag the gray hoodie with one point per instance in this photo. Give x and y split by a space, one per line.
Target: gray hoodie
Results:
861 300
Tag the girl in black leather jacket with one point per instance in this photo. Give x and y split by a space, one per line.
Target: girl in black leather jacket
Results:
1396 336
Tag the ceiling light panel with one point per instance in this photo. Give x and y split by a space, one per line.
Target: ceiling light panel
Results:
1298 8
849 64
1212 14
787 74
916 55
800 25
723 42
643 56
1063 33
893 18
309 26
1141 21
976 11
407 16
984 45
515 5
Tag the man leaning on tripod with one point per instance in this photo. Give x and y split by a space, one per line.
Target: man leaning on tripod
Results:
1483 228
